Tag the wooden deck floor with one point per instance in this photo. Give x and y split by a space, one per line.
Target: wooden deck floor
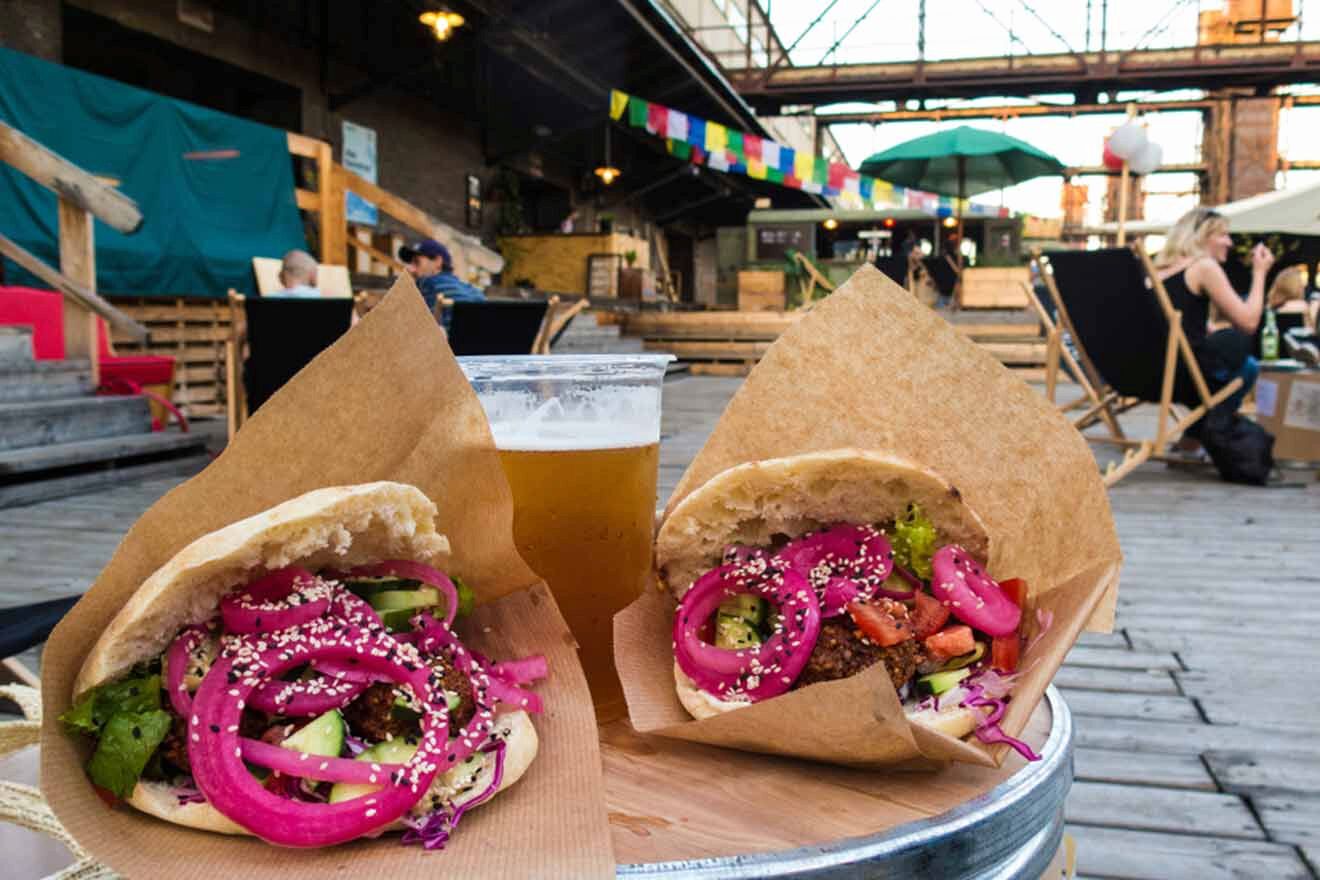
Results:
1197 753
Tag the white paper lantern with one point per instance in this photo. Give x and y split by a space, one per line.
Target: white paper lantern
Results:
1147 159
1127 140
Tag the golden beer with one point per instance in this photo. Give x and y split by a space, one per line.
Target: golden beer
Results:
583 521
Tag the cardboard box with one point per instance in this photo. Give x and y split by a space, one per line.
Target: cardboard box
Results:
1288 406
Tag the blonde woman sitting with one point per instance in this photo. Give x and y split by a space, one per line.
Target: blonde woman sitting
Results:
1190 267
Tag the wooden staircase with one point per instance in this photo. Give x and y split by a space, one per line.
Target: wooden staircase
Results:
58 437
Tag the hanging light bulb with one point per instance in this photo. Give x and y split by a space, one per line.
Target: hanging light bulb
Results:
442 23
607 172
831 224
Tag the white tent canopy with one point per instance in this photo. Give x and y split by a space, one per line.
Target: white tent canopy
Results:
1291 211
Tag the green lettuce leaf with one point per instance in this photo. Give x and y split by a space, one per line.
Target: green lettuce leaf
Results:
127 742
100 704
914 542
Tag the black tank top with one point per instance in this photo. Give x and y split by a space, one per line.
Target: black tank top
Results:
1195 309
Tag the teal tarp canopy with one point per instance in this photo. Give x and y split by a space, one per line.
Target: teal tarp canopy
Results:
214 190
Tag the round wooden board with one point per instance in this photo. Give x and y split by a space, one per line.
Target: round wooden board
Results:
670 800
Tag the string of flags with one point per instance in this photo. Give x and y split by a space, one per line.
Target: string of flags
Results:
729 150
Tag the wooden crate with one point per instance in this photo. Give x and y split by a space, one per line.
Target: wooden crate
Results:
193 332
994 288
760 290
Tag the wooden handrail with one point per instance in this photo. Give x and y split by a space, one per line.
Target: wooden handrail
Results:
68 181
80 294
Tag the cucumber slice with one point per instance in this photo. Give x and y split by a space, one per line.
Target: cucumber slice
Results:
392 600
323 736
746 607
966 659
391 751
466 598
367 586
735 634
939 682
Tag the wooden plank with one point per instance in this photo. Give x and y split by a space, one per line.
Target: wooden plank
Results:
710 350
1169 771
997 331
77 249
1165 640
1147 855
1159 809
1250 772
1290 818
79 293
307 200
715 369
1181 738
1121 705
1082 655
334 222
189 333
400 209
1110 641
1136 681
1016 352
302 145
68 181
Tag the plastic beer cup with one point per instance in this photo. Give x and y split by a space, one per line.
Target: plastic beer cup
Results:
578 436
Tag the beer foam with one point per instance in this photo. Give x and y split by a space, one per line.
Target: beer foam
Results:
604 418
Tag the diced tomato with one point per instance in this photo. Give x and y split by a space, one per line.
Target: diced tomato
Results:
928 615
106 795
953 641
879 625
1004 651
1015 589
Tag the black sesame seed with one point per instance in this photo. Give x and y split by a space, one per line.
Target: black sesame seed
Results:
137 732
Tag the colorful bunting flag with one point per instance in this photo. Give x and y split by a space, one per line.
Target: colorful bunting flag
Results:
618 103
657 120
700 141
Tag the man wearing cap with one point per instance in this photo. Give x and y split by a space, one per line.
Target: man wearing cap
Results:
431 265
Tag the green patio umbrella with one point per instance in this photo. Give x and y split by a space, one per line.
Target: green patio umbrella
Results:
962 162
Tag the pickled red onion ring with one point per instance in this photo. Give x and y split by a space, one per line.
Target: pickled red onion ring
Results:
970 594
843 563
308 766
762 672
299 699
176 665
281 599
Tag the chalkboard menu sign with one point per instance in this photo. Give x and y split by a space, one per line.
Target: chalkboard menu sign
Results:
774 242
603 274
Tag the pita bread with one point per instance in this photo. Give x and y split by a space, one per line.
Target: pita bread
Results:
752 503
336 527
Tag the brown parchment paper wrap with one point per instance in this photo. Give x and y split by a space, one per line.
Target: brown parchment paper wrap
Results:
871 368
387 401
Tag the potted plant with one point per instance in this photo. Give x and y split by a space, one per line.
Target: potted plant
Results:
632 281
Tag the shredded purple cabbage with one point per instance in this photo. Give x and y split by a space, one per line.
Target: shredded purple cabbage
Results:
991 689
188 793
433 831
355 745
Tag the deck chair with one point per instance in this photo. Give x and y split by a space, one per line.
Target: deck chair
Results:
496 326
558 315
281 336
1131 347
332 281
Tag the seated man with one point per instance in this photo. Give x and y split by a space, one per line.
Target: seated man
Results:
431 265
298 275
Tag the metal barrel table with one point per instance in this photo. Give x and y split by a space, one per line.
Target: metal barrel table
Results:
678 824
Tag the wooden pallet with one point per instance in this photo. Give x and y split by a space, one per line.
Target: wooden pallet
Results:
193 332
730 343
